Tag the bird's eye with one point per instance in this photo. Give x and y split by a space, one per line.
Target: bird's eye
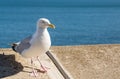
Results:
43 21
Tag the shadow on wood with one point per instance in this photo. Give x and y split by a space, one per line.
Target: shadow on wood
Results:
8 65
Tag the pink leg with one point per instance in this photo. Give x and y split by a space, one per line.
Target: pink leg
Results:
34 72
44 69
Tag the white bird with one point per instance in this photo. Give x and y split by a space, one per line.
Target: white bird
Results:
37 44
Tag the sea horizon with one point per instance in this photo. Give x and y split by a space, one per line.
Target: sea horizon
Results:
74 25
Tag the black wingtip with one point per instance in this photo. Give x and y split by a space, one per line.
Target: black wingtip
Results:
13 46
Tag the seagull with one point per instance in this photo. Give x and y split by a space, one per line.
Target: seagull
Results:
36 44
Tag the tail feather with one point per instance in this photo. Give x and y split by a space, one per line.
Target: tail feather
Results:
13 46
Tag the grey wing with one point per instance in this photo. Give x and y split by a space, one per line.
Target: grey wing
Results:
24 44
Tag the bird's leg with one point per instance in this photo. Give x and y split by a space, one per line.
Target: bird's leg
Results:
44 69
34 72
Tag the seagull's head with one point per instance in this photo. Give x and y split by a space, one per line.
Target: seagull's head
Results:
44 23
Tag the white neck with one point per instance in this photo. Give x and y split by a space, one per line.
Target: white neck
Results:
40 30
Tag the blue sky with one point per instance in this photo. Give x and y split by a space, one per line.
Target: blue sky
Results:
58 2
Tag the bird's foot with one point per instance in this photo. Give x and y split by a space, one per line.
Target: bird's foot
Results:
43 69
34 73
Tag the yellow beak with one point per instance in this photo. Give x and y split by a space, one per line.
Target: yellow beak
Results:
52 26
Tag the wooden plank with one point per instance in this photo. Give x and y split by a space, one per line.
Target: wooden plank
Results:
61 70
